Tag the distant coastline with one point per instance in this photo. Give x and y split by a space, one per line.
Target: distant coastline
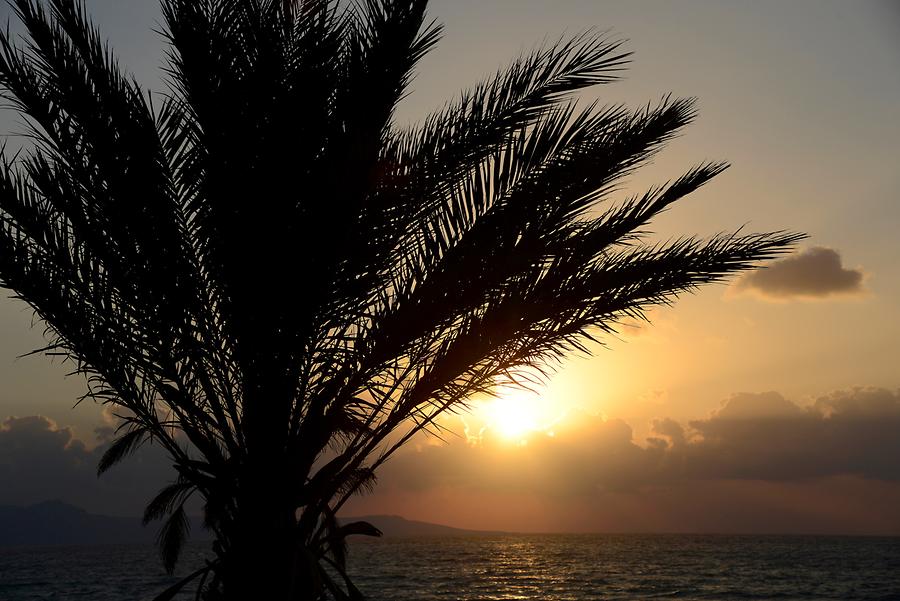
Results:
397 526
59 523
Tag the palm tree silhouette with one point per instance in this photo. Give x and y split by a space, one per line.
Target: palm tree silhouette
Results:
265 275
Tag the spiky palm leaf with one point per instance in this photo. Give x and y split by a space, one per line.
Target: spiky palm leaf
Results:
281 287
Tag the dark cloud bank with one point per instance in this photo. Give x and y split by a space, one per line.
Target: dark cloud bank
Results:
40 461
836 457
752 437
815 273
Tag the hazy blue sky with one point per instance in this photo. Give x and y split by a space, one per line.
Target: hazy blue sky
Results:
803 97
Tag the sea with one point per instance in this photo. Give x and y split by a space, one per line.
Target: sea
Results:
513 567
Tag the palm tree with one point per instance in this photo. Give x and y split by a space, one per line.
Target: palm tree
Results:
265 275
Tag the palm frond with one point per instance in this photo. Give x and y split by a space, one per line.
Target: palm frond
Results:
168 500
121 448
172 537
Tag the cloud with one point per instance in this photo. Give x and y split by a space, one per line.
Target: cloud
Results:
766 437
584 454
759 462
40 460
762 437
815 273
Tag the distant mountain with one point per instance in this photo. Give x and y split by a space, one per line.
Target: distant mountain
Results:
396 526
58 523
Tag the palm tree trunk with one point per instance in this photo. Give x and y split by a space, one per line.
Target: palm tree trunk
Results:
264 558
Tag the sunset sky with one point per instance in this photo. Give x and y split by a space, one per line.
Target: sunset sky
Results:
769 405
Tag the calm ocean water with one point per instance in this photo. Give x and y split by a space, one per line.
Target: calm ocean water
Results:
552 568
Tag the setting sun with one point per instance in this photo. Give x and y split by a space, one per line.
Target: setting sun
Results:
515 414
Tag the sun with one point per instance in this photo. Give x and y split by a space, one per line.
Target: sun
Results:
514 415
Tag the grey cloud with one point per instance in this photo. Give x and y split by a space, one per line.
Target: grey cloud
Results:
761 437
812 274
40 460
37 459
672 434
595 454
750 438
748 406
850 432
